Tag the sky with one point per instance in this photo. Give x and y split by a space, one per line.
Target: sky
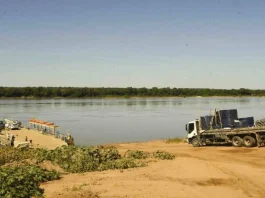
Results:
133 43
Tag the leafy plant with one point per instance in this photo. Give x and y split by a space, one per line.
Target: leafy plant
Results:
174 140
136 154
76 159
163 155
24 182
10 154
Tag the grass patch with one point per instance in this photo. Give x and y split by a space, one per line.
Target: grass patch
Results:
175 140
163 155
79 188
136 154
24 181
21 179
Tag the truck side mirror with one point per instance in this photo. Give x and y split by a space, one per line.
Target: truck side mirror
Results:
186 127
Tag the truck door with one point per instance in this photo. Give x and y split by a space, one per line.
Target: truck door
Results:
191 130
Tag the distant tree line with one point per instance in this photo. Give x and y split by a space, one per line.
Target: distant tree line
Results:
87 92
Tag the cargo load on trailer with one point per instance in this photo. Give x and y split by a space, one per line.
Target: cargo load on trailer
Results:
225 127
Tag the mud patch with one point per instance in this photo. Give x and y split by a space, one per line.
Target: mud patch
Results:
238 150
182 155
74 194
215 182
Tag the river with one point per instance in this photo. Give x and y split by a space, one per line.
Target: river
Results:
100 121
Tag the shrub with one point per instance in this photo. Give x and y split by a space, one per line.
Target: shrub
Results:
24 182
76 159
175 140
10 154
163 155
136 154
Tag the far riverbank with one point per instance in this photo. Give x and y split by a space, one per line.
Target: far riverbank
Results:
121 97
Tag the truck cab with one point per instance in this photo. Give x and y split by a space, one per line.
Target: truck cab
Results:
192 129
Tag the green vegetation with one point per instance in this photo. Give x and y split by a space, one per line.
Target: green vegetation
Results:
10 154
76 159
162 155
24 181
135 154
21 175
174 140
86 92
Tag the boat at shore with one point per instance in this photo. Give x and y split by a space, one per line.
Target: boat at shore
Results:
12 124
36 133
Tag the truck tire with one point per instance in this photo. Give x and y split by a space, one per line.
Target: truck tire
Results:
195 142
249 141
237 141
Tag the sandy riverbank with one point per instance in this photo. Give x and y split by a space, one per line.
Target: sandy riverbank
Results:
195 172
39 140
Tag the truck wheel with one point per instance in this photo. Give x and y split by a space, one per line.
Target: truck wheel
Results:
237 141
195 142
249 141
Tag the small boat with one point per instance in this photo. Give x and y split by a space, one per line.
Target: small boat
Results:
12 124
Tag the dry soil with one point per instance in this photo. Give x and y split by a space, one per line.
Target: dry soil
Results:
220 172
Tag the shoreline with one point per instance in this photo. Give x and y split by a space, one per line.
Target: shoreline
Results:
39 140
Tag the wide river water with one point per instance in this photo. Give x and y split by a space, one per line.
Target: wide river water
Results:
99 121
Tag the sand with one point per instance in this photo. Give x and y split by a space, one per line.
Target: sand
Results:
195 172
39 140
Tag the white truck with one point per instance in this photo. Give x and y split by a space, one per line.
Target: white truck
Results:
237 136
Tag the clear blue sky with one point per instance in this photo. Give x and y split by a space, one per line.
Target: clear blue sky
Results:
138 43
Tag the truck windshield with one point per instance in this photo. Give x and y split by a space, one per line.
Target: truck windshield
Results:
191 127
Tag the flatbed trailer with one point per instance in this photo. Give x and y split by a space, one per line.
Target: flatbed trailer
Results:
248 137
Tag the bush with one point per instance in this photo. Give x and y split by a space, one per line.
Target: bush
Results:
175 140
24 182
82 159
163 155
136 154
10 154
86 159
76 159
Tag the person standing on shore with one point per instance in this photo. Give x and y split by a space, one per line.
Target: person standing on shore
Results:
12 140
70 141
68 137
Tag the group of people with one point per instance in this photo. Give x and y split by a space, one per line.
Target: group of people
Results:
26 139
67 138
11 138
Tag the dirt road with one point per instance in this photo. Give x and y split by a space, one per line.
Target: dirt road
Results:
195 172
